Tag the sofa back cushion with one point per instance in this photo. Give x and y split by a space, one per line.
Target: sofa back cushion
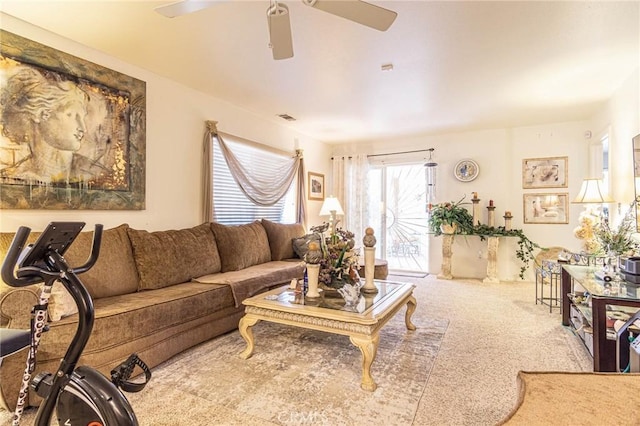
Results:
281 238
241 246
115 271
164 258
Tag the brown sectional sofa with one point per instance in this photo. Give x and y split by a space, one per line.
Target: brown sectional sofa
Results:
155 293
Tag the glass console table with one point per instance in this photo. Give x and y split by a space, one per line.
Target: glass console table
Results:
603 297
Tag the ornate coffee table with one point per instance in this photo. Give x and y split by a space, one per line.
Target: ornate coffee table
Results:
362 323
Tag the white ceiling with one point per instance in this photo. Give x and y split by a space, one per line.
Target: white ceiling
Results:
457 65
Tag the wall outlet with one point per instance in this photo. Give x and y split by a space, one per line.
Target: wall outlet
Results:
479 254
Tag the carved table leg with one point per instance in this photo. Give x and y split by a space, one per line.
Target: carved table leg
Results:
246 322
369 348
411 308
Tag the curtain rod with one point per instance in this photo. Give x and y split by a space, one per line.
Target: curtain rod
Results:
397 153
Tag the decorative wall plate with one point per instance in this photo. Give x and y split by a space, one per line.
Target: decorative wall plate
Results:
466 170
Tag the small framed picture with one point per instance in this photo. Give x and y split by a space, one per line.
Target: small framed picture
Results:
546 208
316 186
550 172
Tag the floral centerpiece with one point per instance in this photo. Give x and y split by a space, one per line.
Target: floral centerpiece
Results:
617 240
585 231
339 261
600 238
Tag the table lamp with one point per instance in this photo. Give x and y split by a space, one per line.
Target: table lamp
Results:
592 192
331 207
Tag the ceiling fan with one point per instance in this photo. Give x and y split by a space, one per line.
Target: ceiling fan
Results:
278 17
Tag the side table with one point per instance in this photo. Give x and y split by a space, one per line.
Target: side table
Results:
381 270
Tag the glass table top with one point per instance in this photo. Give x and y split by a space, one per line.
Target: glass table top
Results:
585 276
331 301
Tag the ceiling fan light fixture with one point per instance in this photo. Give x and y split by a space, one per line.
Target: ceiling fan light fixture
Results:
280 40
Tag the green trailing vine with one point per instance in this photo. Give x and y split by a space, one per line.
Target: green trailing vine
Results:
526 247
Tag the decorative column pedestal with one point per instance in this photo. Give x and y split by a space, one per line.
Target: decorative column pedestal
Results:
369 241
312 281
507 220
447 252
476 209
492 261
491 213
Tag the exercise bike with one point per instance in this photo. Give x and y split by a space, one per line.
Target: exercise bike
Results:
80 395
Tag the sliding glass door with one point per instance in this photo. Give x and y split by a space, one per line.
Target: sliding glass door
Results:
398 214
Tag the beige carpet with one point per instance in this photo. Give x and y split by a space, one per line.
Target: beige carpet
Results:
458 368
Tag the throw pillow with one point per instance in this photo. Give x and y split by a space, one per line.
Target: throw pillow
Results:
61 303
171 257
301 244
281 238
115 272
241 246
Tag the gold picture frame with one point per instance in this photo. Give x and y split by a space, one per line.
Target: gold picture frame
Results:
548 208
548 172
98 117
315 185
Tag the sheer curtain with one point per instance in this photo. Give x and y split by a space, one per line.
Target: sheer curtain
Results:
350 186
261 191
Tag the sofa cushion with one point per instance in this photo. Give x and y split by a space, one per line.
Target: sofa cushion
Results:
114 272
170 257
257 278
241 246
281 238
138 315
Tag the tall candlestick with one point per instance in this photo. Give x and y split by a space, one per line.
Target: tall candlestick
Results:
491 213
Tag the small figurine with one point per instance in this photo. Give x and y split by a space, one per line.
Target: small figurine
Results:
369 240
350 294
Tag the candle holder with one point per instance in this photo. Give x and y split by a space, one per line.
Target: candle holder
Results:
491 210
507 221
476 209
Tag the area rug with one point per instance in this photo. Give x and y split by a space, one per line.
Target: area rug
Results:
587 399
295 376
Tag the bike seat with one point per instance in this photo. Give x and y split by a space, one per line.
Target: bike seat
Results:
12 340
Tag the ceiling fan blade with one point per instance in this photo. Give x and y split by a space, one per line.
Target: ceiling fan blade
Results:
358 11
184 7
280 31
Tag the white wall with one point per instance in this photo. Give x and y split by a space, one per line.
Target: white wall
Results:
499 154
622 116
175 128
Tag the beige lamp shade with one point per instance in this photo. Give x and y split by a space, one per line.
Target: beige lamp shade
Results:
331 205
592 192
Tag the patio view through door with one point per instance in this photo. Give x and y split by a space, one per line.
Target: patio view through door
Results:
397 210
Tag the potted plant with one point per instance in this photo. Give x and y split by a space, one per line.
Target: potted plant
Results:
449 218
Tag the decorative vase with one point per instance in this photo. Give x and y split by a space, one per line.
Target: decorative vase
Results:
449 228
313 271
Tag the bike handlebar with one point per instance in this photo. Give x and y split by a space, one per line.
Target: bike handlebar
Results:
10 261
28 275
95 251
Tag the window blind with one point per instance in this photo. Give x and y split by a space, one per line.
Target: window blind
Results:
230 205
